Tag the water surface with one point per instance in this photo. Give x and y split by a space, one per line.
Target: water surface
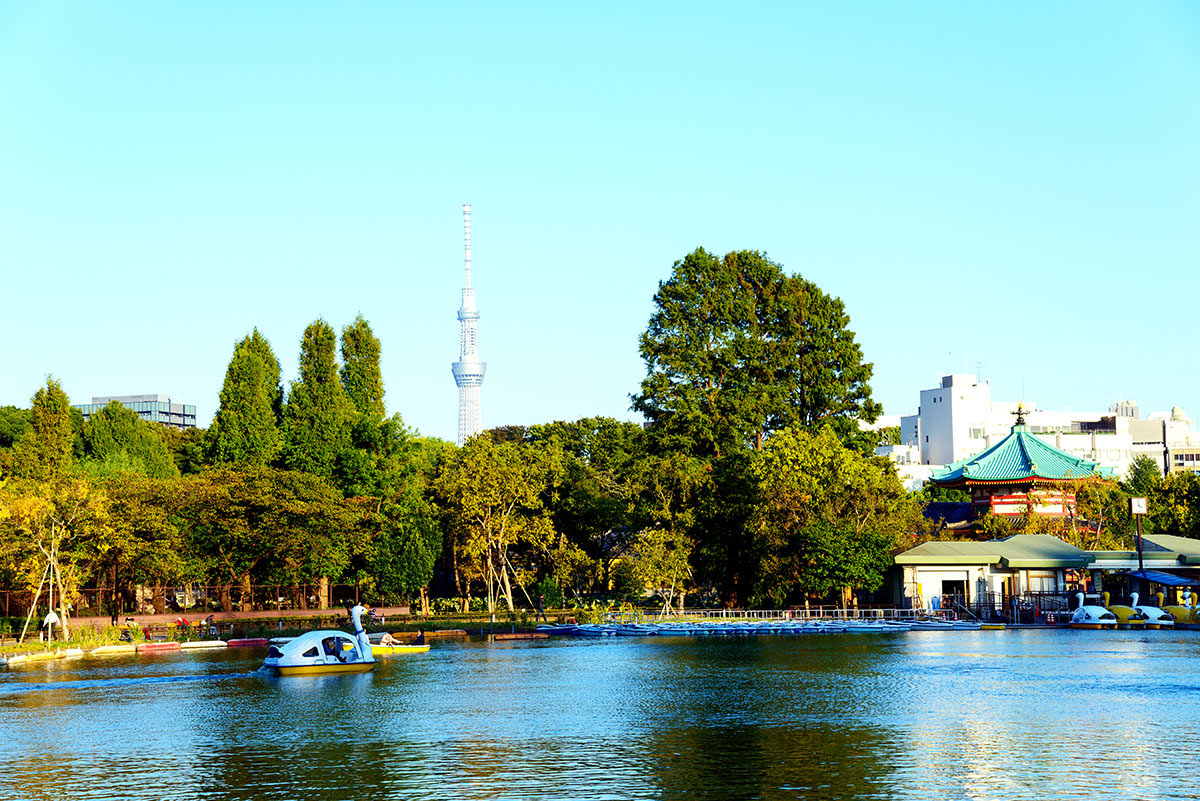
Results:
919 715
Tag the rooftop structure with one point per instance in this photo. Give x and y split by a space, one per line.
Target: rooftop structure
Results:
468 370
151 408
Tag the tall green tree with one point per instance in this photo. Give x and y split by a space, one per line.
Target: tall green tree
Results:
362 380
737 349
14 422
1143 477
46 449
245 429
828 517
317 415
116 437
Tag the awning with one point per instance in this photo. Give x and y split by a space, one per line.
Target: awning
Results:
1163 577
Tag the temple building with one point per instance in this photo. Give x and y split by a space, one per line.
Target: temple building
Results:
1018 472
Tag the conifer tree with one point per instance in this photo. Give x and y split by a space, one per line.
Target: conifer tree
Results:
361 378
44 451
245 429
316 417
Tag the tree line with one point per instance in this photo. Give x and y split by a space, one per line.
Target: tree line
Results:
752 482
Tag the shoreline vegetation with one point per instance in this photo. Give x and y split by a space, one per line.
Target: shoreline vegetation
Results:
753 483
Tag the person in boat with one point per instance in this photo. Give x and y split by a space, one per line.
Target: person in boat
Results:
420 640
333 647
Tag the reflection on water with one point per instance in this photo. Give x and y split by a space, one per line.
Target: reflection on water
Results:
922 715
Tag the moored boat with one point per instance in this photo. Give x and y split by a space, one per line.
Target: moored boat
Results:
1090 616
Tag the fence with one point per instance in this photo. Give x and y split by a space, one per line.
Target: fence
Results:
189 599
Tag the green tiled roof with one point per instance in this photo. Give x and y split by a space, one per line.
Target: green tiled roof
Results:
1019 457
1017 551
1187 548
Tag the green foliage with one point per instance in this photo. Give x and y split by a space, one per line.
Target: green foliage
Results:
736 350
317 415
492 496
245 429
888 435
361 377
551 593
117 439
930 493
186 447
14 422
46 450
828 518
1144 478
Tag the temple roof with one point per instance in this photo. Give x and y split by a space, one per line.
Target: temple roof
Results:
1018 458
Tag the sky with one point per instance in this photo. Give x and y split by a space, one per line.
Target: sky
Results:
1004 189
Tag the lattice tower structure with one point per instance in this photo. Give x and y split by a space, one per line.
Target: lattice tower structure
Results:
468 370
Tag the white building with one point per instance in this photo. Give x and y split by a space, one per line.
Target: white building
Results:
959 418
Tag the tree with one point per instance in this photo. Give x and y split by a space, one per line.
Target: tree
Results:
1143 477
829 516
493 495
317 415
116 437
14 422
736 350
245 429
46 449
252 522
45 523
361 377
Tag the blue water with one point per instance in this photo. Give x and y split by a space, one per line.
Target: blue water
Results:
918 715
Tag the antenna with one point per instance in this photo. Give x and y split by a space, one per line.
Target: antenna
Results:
467 235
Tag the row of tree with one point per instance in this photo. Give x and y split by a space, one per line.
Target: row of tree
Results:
752 483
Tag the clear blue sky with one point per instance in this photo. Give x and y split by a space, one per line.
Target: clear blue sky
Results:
1014 184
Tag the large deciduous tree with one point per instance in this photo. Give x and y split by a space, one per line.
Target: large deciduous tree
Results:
317 416
493 495
245 429
828 516
737 349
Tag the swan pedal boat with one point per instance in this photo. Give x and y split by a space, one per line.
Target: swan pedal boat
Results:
323 652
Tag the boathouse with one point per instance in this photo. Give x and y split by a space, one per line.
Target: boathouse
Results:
1037 572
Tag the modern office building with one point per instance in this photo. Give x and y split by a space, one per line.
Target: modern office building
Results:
151 408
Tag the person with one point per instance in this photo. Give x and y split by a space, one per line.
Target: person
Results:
49 622
333 647
388 639
420 640
541 610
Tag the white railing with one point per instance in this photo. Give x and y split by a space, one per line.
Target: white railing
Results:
764 615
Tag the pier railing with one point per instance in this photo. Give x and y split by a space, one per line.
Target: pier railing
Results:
764 615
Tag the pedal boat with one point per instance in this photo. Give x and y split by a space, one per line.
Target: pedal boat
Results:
318 653
1089 616
1156 618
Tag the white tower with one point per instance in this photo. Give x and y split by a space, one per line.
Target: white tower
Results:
468 370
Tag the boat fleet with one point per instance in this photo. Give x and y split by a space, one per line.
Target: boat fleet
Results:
1134 615
733 628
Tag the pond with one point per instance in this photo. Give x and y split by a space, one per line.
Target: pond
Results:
918 715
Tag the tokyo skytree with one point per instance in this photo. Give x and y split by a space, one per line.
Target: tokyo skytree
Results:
468 370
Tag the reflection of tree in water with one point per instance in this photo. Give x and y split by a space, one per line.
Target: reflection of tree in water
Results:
769 718
749 761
